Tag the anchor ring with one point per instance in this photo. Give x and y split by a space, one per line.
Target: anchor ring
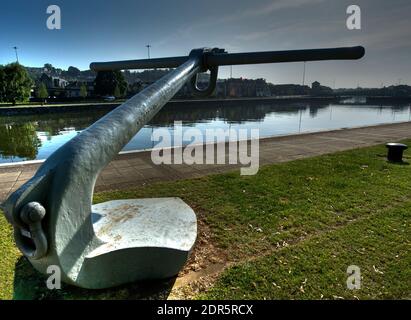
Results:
32 241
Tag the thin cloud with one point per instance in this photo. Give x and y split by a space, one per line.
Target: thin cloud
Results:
269 9
187 31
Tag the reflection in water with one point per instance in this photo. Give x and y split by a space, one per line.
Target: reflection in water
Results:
19 140
241 113
37 136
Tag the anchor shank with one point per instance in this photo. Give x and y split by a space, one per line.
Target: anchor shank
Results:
172 62
112 132
64 184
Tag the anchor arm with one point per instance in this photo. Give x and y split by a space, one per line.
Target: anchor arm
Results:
213 58
219 58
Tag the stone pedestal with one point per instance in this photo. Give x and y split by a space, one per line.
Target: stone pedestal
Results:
141 239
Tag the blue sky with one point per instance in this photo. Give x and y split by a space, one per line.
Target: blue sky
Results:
112 30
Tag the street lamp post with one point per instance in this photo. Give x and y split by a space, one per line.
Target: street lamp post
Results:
148 54
304 74
17 56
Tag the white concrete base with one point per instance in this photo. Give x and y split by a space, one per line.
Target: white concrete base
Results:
157 222
141 239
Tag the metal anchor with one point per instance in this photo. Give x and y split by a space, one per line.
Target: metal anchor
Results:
120 241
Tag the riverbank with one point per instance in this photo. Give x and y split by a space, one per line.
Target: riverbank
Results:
290 232
131 169
70 107
32 109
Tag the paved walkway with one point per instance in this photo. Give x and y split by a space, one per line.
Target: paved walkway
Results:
132 169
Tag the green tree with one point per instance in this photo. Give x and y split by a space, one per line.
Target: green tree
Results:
83 91
135 87
2 84
117 92
107 81
73 72
15 83
42 92
49 67
19 140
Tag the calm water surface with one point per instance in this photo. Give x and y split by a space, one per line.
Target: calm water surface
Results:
37 136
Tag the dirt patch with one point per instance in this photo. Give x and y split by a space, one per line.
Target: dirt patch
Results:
206 262
204 253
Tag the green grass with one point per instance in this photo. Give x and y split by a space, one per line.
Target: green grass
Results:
9 254
317 208
379 245
58 104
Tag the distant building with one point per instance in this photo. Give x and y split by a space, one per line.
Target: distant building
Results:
72 90
234 88
261 88
52 82
315 85
61 88
289 90
318 90
221 89
239 87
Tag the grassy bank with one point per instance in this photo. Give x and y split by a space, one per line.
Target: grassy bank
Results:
317 268
57 104
289 232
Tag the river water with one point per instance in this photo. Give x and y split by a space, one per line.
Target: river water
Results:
32 137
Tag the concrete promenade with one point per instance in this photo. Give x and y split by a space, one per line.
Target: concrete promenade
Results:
136 168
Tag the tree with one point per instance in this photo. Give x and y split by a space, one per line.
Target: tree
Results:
48 67
42 92
83 91
19 139
107 81
135 87
15 83
117 92
2 84
73 72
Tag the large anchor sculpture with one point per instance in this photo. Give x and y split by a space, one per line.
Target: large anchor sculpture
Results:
120 241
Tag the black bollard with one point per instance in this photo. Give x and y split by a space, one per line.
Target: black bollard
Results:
395 151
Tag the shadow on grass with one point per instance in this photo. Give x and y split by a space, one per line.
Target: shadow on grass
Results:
401 163
29 284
